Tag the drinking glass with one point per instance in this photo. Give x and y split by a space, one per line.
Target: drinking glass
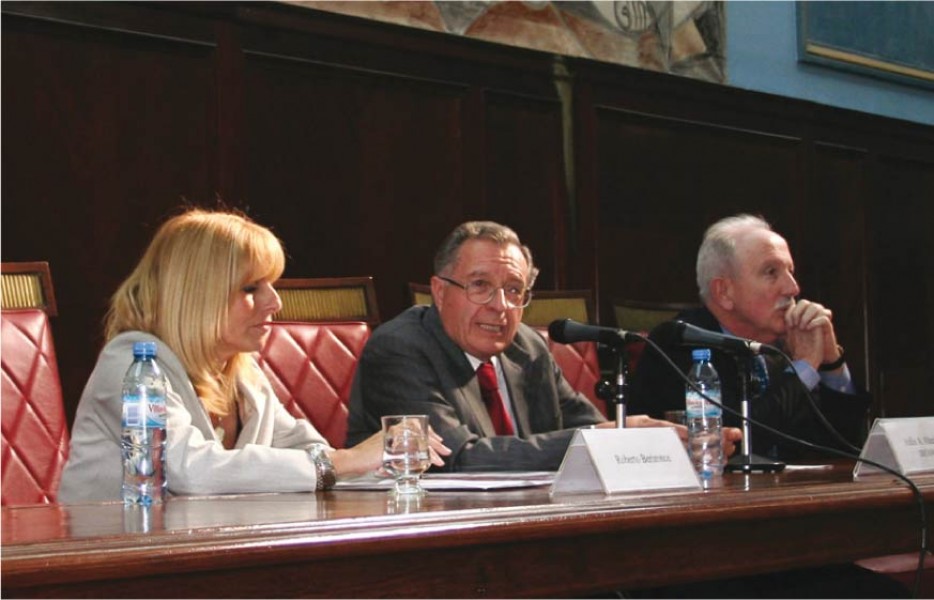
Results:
403 504
676 416
405 451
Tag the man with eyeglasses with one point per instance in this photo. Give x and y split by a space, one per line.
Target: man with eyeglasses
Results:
429 360
487 382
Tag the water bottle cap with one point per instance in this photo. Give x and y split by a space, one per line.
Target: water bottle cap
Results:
144 349
700 354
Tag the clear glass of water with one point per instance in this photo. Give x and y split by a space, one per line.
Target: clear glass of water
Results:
405 451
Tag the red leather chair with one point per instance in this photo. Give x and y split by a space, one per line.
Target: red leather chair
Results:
311 368
581 367
34 441
311 355
579 362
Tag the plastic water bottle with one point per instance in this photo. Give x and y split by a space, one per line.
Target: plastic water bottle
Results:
143 439
704 419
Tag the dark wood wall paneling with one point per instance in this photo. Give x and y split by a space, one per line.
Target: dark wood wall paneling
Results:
104 130
378 147
362 144
661 158
524 178
352 167
662 178
902 283
838 255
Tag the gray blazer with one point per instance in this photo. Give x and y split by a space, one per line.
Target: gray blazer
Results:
268 456
411 366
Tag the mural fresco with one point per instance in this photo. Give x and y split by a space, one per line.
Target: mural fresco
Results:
683 37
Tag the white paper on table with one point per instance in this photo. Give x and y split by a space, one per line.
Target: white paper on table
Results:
808 467
455 481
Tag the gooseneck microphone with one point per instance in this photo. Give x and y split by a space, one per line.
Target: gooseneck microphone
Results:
569 331
685 334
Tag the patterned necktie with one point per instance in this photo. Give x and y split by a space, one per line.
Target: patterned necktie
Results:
760 376
489 388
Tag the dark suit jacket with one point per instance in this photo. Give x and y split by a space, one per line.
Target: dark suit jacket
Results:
784 405
411 366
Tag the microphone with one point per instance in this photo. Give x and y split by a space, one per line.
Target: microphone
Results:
569 331
685 334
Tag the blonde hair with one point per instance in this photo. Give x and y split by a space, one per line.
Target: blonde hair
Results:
181 289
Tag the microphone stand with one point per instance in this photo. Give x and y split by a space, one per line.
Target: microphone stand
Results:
746 461
613 392
621 372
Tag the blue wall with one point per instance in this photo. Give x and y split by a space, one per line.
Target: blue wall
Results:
762 55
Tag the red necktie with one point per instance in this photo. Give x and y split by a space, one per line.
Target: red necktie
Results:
489 388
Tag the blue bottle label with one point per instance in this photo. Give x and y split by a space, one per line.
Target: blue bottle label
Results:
156 414
132 412
138 412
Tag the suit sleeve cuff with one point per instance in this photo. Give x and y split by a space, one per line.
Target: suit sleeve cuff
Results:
840 382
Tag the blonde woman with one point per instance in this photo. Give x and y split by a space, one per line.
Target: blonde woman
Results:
203 292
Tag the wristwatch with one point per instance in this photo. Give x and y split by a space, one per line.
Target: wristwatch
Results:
835 364
323 466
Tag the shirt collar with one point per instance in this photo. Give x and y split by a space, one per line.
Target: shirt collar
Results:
476 362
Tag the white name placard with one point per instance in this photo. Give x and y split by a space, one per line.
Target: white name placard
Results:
905 445
624 460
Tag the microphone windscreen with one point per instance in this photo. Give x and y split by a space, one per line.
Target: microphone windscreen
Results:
669 333
556 330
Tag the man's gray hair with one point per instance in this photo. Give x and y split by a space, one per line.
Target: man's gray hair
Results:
718 250
481 230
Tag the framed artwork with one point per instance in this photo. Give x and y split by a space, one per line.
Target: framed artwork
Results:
892 40
686 37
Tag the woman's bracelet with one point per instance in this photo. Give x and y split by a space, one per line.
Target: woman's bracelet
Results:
324 468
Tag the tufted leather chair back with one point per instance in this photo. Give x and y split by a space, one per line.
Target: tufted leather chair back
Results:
311 368
580 365
34 444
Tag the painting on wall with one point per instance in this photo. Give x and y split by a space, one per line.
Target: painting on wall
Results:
684 38
891 40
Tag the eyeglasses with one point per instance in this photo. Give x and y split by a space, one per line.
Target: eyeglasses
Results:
480 291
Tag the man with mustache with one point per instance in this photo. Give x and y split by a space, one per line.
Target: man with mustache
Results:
745 276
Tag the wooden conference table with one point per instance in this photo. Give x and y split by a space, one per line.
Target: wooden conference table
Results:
520 542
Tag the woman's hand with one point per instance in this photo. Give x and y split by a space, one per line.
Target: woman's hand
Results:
367 456
436 448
